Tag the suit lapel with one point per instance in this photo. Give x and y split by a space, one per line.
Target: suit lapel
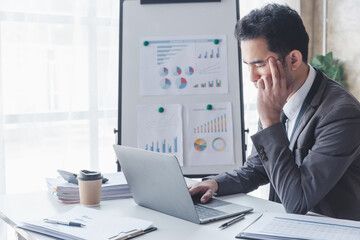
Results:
311 109
304 120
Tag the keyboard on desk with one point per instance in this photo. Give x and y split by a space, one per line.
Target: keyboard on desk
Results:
205 212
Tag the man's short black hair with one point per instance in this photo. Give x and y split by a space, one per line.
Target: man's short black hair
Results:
279 25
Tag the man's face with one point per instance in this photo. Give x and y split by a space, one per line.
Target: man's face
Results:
256 55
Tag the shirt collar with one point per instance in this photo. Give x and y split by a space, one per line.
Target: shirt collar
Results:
292 107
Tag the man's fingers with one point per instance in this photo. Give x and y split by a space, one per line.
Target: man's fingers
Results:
205 188
193 189
261 84
207 195
267 82
275 74
197 188
282 73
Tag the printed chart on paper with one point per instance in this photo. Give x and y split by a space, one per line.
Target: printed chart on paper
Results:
161 131
210 135
183 65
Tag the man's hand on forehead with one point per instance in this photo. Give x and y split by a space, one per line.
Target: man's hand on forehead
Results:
272 93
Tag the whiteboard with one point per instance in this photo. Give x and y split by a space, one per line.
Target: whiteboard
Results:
178 19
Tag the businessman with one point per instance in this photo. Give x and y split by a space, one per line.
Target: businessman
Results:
308 142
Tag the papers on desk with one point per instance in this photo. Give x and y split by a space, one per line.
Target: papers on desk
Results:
67 192
301 227
99 225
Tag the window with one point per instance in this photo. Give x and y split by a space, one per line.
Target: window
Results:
59 81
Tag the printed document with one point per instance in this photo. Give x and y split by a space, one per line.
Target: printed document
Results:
98 225
305 227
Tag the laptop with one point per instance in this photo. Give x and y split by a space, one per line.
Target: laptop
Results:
156 182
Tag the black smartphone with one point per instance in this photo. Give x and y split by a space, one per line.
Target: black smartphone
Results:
71 177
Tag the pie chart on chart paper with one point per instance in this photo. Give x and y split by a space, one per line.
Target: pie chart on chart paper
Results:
165 83
218 144
200 144
177 71
164 71
181 83
190 71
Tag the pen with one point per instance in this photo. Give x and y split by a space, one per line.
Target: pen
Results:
66 223
232 221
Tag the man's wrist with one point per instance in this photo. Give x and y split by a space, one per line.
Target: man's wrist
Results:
215 184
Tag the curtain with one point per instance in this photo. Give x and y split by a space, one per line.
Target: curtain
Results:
58 89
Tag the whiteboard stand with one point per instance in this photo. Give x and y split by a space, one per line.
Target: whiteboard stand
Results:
184 18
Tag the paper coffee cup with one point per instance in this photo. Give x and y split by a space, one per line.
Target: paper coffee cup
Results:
90 187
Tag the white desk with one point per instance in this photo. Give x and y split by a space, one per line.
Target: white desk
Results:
16 208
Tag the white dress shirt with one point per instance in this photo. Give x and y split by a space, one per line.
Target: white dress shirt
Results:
293 105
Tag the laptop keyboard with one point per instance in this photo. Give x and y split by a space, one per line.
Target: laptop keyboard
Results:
205 212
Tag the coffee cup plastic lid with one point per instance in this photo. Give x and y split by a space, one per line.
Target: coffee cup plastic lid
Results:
86 175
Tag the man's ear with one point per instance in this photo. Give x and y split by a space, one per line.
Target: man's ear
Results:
295 59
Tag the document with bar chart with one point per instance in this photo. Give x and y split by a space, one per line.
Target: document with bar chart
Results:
183 65
210 135
160 129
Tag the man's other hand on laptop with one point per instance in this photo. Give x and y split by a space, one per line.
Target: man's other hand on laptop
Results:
205 188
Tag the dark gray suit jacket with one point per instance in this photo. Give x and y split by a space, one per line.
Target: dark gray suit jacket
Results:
319 170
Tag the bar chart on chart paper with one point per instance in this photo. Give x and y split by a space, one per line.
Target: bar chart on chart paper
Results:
210 137
183 65
163 146
160 131
218 124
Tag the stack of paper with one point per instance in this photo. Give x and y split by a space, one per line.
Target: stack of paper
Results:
304 227
67 192
96 225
